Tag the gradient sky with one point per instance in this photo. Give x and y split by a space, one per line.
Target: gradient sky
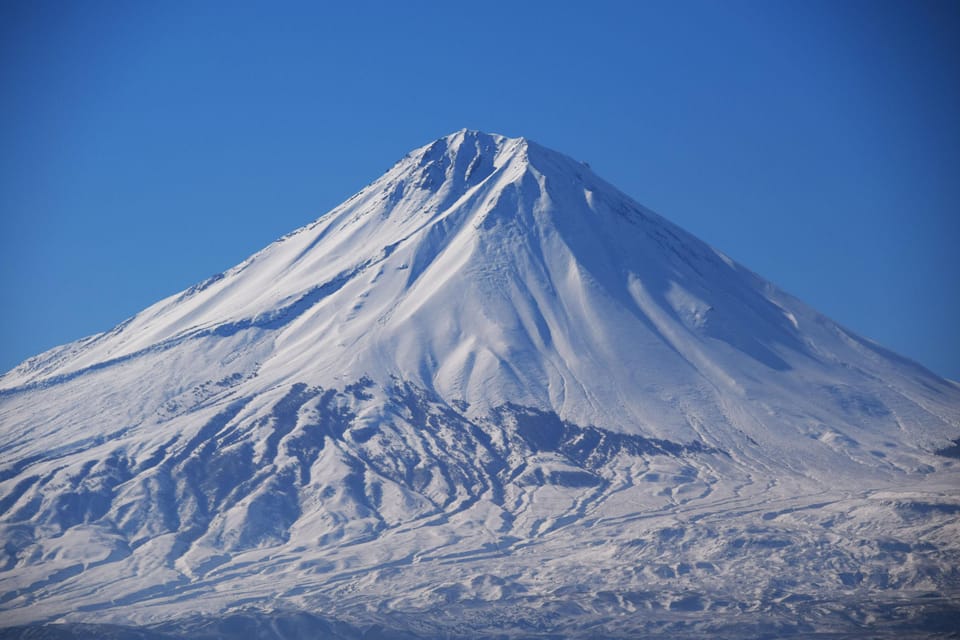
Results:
148 145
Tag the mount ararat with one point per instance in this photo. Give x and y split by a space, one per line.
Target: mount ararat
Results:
487 396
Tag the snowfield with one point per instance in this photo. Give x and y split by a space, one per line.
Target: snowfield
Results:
487 396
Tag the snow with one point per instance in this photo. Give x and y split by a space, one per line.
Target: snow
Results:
488 390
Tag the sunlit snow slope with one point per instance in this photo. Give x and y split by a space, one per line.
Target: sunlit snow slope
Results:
488 393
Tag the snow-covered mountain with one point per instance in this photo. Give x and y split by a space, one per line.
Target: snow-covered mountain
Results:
487 395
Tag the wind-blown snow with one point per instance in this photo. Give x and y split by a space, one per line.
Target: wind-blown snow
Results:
488 390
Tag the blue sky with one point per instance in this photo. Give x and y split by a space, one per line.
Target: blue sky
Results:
147 146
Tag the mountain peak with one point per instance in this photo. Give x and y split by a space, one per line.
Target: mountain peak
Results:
463 158
438 175
466 150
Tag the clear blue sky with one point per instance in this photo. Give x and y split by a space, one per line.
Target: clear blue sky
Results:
148 145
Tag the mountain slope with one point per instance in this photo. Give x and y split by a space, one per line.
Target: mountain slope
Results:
488 390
